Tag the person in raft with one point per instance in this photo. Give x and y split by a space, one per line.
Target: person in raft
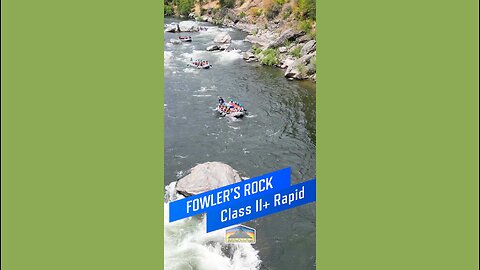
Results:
221 100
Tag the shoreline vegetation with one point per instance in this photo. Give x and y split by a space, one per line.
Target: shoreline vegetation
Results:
282 31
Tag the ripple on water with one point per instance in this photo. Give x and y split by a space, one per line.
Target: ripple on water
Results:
278 132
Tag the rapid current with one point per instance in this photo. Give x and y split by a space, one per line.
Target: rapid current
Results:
278 132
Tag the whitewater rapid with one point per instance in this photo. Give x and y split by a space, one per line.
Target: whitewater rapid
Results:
188 246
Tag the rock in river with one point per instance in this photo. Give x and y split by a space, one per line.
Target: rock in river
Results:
213 48
223 37
224 47
171 28
216 47
207 176
188 26
249 56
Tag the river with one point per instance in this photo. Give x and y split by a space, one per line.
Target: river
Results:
278 132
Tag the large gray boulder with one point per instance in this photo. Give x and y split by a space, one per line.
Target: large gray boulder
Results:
262 42
309 47
287 35
228 22
188 26
207 176
311 68
223 37
301 68
249 56
171 28
303 39
294 72
287 62
224 47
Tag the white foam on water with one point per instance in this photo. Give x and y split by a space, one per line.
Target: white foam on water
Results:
205 89
195 54
227 58
190 70
212 32
238 42
178 174
202 95
232 118
168 59
188 246
234 128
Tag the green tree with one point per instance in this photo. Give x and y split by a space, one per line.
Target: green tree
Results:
168 10
185 6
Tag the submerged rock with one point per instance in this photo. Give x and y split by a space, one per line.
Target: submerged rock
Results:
207 176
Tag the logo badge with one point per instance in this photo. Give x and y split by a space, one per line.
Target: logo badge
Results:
241 234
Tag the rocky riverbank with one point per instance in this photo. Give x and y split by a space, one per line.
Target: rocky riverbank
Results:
276 42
